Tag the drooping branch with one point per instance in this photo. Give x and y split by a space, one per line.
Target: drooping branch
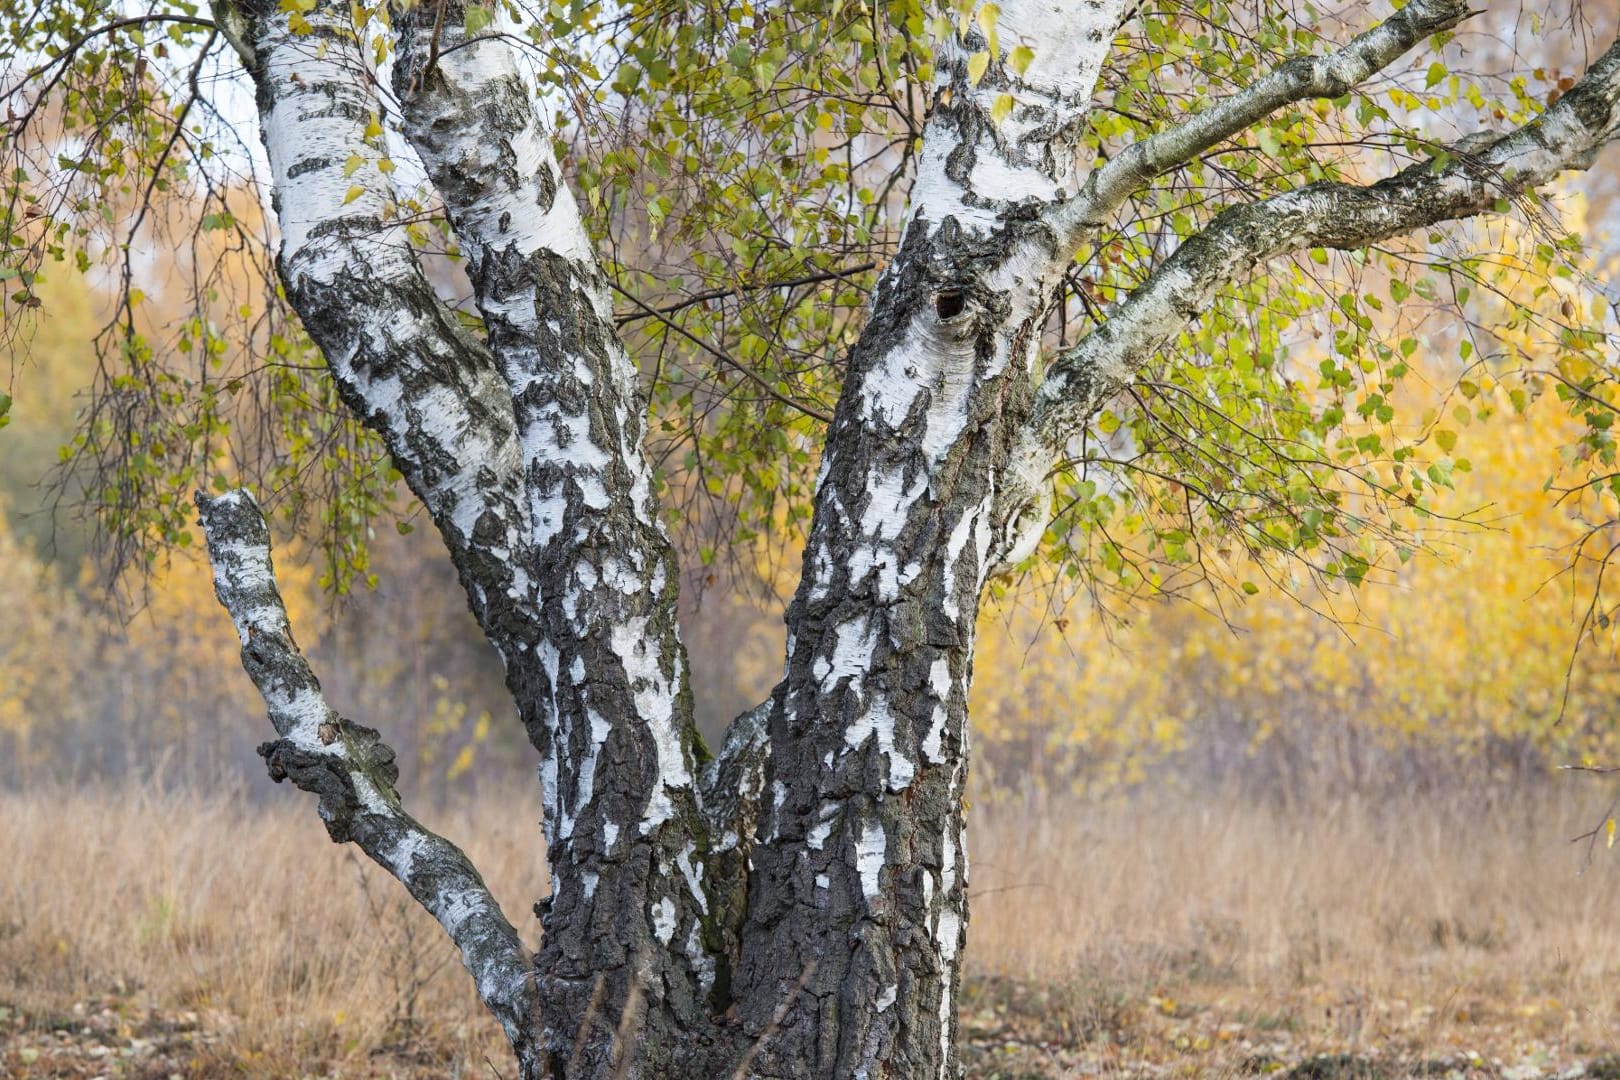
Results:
1458 185
353 771
1299 79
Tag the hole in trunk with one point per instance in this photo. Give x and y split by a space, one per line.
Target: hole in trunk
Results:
949 303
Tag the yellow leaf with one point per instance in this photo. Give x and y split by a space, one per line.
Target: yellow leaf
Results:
463 762
354 192
373 128
1002 108
978 64
987 18
353 163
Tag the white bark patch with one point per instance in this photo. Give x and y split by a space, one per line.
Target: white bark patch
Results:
853 644
699 958
690 872
663 920
939 681
585 783
1070 41
889 499
936 196
306 137
877 721
655 705
869 854
947 936
971 526
507 216
816 839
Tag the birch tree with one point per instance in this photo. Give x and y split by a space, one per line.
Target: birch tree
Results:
794 903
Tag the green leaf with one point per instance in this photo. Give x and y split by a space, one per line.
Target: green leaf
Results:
1020 58
476 19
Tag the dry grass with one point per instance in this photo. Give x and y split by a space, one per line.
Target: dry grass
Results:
247 923
1179 934
1432 928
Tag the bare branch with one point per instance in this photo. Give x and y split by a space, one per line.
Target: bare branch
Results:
648 312
353 770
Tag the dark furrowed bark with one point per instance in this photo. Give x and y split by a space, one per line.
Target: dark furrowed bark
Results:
857 904
604 686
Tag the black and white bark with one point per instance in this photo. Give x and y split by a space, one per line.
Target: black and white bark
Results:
353 773
795 907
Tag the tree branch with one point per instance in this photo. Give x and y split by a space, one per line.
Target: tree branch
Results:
1296 80
1326 214
64 57
353 771
649 312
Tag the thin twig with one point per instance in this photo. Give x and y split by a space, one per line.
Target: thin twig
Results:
736 290
726 358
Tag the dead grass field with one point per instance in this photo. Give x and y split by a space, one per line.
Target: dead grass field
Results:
149 935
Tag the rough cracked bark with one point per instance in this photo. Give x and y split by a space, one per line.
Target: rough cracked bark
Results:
606 703
860 866
797 906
